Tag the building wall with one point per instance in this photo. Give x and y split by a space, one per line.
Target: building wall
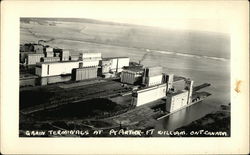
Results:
38 48
38 71
123 62
189 87
154 80
130 77
118 63
153 71
48 49
106 66
50 59
32 59
89 63
65 55
74 58
58 68
170 81
49 54
84 73
24 56
105 69
113 64
152 76
168 78
28 48
28 82
90 59
150 94
177 101
91 55
54 79
127 77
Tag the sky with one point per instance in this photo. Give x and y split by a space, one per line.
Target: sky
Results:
188 15
211 25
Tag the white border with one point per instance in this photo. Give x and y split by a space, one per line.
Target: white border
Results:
233 12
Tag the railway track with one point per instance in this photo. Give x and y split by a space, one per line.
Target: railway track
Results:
59 101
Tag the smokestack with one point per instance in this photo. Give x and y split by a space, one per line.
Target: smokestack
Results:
144 56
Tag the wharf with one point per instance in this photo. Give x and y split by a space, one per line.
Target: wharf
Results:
197 97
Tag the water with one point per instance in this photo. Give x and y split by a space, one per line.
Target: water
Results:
201 70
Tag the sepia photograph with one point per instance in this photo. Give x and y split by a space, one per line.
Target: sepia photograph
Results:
92 78
123 77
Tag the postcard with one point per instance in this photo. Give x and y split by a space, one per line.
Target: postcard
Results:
124 77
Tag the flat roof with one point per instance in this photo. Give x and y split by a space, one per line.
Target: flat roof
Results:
178 78
35 53
176 93
108 58
50 57
134 68
151 87
54 62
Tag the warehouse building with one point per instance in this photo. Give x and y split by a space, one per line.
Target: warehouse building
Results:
50 59
57 51
132 75
105 66
152 76
117 63
38 48
74 58
64 55
45 69
90 59
48 54
150 94
84 73
169 79
33 58
28 47
23 57
48 49
153 80
176 100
